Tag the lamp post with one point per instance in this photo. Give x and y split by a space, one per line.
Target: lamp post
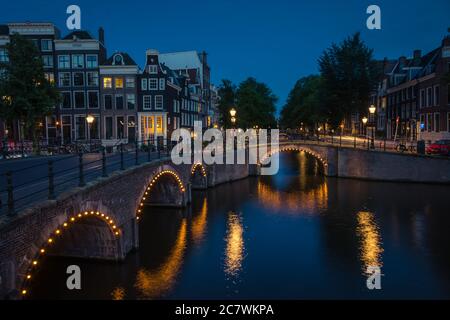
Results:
364 121
372 110
233 114
90 120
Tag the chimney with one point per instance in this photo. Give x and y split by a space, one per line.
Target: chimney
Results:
417 54
152 56
101 35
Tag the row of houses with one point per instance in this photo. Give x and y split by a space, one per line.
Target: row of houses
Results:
413 96
124 101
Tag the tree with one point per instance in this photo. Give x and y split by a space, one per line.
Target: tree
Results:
349 74
26 95
227 94
304 104
255 105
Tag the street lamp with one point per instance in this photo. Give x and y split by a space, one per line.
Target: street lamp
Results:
372 110
233 114
90 120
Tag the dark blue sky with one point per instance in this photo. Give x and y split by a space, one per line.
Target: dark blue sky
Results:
275 41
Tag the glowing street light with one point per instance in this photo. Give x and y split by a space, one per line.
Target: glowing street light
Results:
233 112
365 120
90 120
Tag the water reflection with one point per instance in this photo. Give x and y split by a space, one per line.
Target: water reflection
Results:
153 284
371 247
235 248
199 223
118 294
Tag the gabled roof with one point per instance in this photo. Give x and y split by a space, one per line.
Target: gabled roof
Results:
181 60
127 60
79 34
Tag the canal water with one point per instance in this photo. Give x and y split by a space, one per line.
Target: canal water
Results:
296 235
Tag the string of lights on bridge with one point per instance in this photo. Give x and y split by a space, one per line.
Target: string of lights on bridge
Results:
58 233
290 149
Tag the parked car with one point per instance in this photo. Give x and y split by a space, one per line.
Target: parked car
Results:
440 147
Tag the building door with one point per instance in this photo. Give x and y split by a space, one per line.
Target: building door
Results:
66 129
131 129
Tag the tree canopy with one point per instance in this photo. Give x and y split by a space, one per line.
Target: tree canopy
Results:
25 93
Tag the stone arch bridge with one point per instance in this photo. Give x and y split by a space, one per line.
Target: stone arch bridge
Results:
100 220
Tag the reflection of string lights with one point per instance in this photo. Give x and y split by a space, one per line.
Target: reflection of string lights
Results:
154 284
235 245
58 233
199 223
370 249
290 149
153 183
301 202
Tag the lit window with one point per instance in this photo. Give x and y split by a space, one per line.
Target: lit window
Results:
119 83
158 102
107 83
50 77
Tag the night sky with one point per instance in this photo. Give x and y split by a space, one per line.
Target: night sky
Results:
276 42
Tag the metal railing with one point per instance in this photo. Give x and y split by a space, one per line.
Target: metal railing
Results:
23 184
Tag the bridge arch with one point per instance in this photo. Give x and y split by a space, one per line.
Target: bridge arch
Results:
68 239
298 148
199 178
165 188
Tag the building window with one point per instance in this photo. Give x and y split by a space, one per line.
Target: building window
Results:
78 61
119 83
130 82
93 129
143 84
162 84
46 45
3 55
66 102
79 99
50 77
64 62
153 69
80 127
108 128
91 61
422 98
48 61
429 97
436 96
120 125
93 99
437 122
64 79
131 101
429 122
107 101
158 102
147 102
92 79
152 84
78 79
107 83
119 102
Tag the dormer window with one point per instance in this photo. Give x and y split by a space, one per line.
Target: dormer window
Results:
118 60
153 69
